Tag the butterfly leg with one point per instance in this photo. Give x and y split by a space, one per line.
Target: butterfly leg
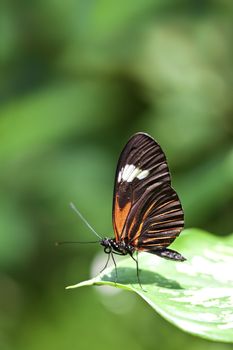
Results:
168 254
114 261
105 264
137 269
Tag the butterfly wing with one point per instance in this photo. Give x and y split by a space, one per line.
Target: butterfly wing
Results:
147 212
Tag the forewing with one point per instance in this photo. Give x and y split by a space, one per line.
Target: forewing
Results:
141 171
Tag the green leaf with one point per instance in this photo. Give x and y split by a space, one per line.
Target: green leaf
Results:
195 295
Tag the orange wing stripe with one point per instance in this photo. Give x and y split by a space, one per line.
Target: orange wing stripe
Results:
120 217
136 237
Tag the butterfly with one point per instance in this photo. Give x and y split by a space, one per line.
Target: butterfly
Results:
147 214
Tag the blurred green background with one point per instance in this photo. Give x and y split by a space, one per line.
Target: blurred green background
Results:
78 78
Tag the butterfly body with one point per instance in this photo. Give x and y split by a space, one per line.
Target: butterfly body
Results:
122 248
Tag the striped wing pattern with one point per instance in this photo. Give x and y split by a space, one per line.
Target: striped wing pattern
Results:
147 212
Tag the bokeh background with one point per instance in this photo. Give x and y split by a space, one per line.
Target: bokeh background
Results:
77 78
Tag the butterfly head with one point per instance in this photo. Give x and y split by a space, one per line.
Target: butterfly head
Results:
108 244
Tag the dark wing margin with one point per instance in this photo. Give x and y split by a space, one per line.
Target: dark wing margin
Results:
142 192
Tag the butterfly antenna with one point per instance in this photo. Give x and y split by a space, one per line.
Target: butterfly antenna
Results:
84 220
68 242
